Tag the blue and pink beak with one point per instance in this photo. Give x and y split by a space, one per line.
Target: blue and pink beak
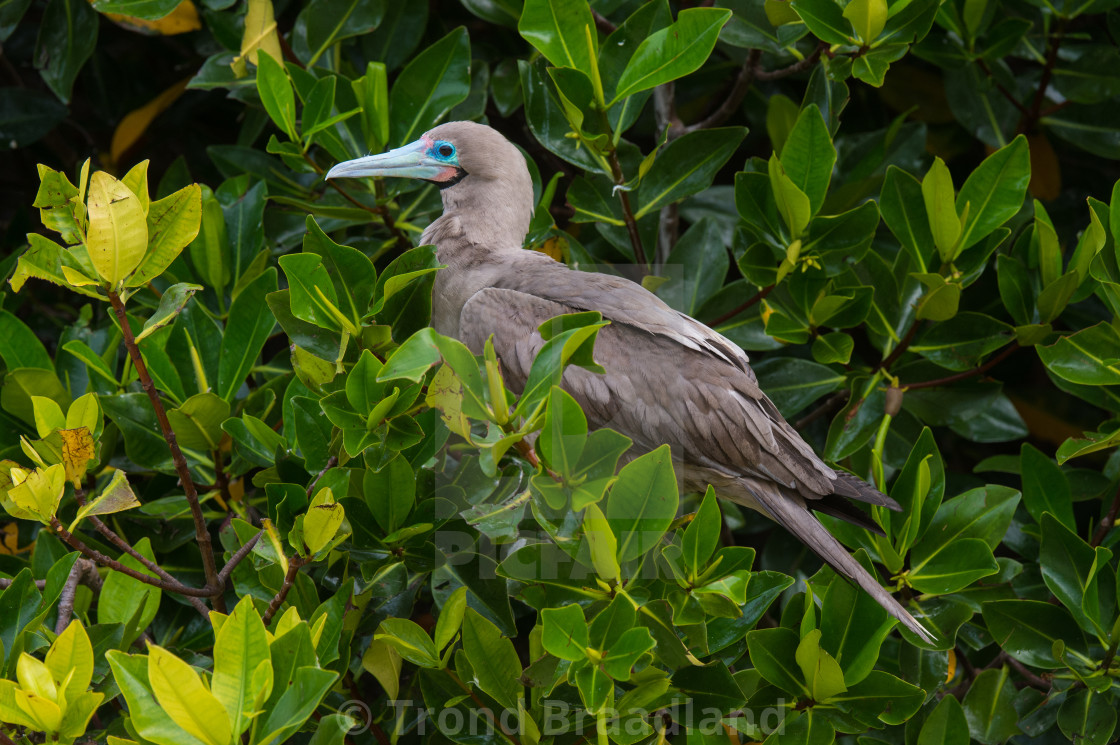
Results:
431 160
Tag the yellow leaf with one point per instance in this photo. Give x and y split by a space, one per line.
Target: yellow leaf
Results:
118 228
260 35
136 122
322 521
179 21
44 712
384 663
602 542
71 651
9 537
183 697
116 497
35 677
38 492
77 452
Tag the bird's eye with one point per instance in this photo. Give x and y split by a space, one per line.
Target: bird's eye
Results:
445 150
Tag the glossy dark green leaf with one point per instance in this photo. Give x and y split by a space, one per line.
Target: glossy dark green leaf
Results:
808 156
433 82
792 384
687 165
493 659
1070 568
563 31
946 725
642 503
988 707
276 94
1045 488
1088 717
1089 357
696 268
881 696
962 342
250 325
67 37
27 115
994 191
326 22
773 653
672 52
825 19
1027 630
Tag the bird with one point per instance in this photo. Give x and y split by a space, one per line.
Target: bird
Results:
668 378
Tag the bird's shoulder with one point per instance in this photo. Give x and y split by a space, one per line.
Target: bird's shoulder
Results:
620 301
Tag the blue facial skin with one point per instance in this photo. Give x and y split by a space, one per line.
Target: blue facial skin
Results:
437 162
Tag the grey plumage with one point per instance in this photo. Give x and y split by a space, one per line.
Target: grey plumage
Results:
669 378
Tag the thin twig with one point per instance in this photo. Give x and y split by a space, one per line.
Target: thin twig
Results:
967 373
66 598
1032 678
757 297
1107 522
238 556
1023 110
903 345
627 212
494 721
1027 122
294 564
603 23
331 463
90 553
799 66
202 532
735 96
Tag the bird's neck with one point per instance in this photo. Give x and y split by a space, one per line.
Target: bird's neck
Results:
494 214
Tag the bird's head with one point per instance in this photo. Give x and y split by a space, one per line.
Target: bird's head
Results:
481 174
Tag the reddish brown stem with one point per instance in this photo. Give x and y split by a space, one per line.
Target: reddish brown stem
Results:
90 553
756 298
628 213
294 564
903 345
202 533
967 373
1108 521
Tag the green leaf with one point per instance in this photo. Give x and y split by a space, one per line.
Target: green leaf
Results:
410 641
122 597
1090 442
642 503
67 38
249 326
1045 488
903 207
946 725
326 22
868 17
825 19
982 514
173 223
701 537
564 434
174 299
792 384
945 224
1015 288
1070 568
240 648
1027 630
496 667
687 165
673 52
351 271
821 672
792 203
429 86
559 30
117 496
1089 357
881 697
198 422
988 707
833 348
276 94
808 156
565 632
773 653
1088 717
130 673
994 192
390 493
21 348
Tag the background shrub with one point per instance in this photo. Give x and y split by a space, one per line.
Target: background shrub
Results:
254 498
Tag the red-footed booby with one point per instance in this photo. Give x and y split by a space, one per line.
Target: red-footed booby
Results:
669 378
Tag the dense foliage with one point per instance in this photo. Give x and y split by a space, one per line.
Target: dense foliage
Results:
253 498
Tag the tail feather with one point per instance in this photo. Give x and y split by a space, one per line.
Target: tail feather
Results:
795 518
